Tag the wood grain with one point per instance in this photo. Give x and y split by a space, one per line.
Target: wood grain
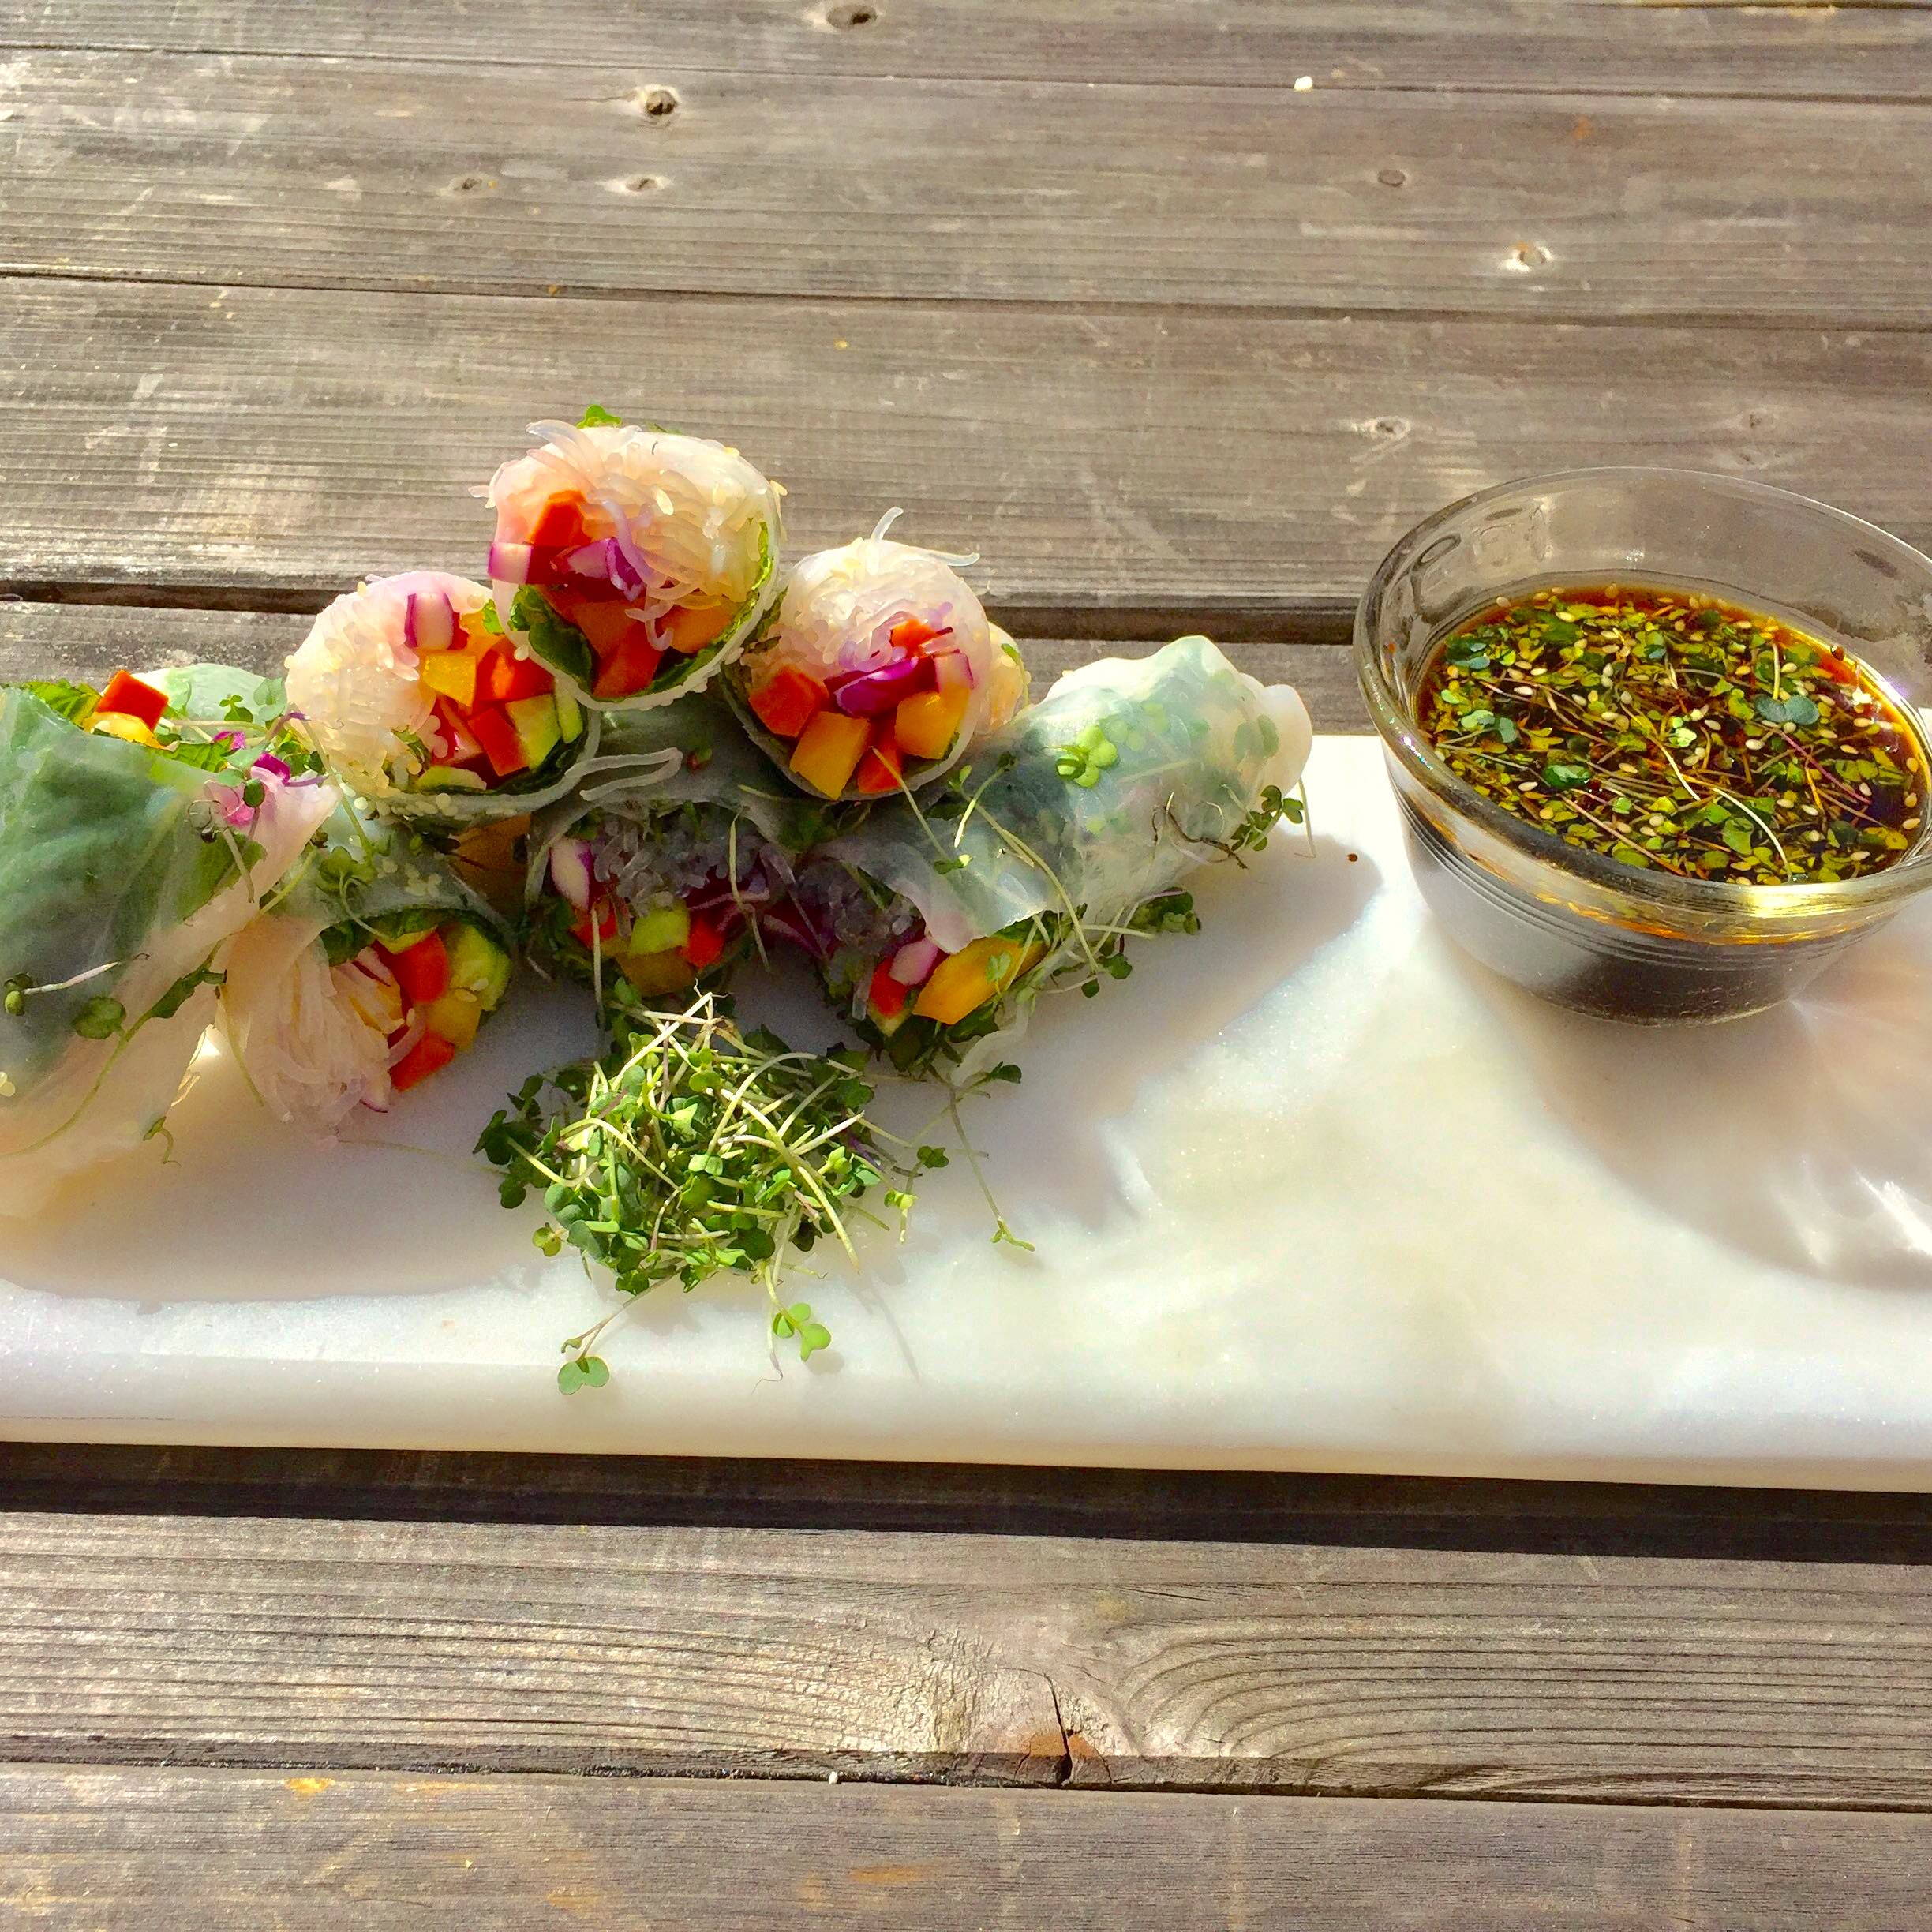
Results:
276 444
90 642
168 1850
615 1647
538 180
1786 47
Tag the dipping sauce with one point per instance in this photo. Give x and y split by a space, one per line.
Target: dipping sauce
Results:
1673 731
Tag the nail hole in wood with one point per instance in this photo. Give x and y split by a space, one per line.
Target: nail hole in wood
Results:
851 13
658 103
469 184
1391 178
1388 426
645 184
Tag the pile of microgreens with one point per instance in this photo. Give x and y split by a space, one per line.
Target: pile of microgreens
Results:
692 1149
1675 733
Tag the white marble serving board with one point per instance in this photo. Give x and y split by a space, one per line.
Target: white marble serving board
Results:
1308 1191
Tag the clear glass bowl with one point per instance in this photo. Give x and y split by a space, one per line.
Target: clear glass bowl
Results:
1573 925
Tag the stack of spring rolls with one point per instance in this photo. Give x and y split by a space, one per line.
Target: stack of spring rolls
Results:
641 753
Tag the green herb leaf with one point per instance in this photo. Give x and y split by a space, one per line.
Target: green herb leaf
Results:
1796 710
597 416
101 1018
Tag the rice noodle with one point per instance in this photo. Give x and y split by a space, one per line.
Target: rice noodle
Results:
698 525
309 1035
835 620
354 679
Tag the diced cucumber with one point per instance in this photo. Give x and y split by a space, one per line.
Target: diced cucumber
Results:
478 965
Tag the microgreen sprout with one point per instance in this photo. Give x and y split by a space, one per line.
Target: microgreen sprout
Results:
1082 762
1667 730
692 1149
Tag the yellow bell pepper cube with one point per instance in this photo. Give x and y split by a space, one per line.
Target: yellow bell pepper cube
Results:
829 750
456 1016
654 974
964 982
451 673
926 724
124 724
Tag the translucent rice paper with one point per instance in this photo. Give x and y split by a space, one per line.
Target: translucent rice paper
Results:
1196 742
311 1043
102 866
697 523
836 618
353 681
692 753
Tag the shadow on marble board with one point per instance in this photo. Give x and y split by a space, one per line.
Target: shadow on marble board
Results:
1043 1143
1801 1136
249 1210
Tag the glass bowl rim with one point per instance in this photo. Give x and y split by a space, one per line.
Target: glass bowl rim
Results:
1401 735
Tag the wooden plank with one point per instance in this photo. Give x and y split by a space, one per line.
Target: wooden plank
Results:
1108 464
1787 47
357 174
630 1647
1411 1513
168 1850
89 641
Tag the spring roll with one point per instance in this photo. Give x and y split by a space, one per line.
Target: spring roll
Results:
409 690
938 923
633 563
371 972
681 842
142 828
878 672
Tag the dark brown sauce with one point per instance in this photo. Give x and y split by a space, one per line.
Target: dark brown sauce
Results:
1671 730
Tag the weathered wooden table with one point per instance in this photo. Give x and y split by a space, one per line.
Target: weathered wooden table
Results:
1181 310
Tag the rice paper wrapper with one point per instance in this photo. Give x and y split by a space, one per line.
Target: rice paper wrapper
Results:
1194 743
307 1052
353 680
834 619
683 511
694 752
1180 747
105 877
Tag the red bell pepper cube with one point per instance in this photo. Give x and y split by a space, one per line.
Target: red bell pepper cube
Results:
504 676
430 1055
489 724
704 945
887 996
605 622
879 769
788 701
559 525
137 700
605 913
629 668
463 748
912 632
422 971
